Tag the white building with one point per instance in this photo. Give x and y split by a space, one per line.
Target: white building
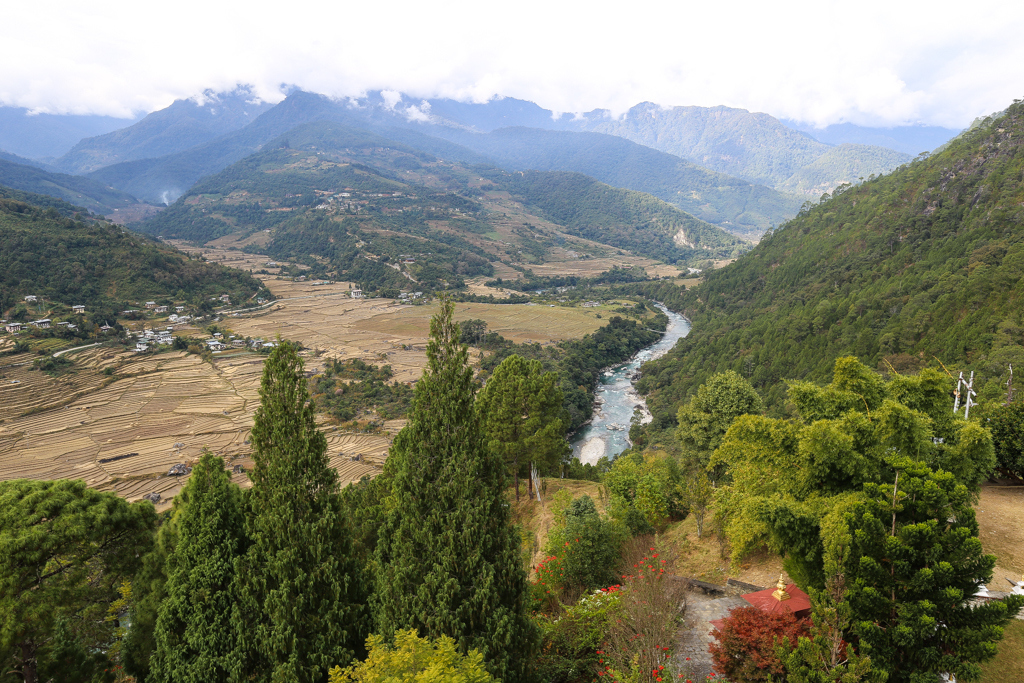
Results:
357 294
78 309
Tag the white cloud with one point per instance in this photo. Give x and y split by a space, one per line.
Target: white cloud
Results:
874 62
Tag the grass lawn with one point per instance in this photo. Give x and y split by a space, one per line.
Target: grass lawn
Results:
1009 663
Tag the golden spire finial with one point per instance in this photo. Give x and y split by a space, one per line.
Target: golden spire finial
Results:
780 593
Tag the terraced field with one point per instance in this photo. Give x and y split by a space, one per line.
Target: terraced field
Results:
124 432
164 410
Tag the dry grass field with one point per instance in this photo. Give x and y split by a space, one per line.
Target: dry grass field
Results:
324 318
160 411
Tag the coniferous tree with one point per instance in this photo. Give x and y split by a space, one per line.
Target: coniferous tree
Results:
300 608
149 588
521 409
447 554
195 639
915 561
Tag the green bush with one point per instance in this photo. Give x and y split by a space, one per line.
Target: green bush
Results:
585 546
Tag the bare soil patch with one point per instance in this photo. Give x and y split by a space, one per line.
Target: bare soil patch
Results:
1000 513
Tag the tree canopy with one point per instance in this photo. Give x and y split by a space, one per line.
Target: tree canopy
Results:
65 549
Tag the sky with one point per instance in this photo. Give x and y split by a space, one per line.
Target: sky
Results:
868 62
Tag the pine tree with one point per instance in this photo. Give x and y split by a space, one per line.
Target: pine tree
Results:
521 409
447 554
195 639
301 604
915 561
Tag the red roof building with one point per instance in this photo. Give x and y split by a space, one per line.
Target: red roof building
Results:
786 597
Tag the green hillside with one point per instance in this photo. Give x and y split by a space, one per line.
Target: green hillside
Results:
630 220
349 202
47 253
83 192
739 206
842 164
924 264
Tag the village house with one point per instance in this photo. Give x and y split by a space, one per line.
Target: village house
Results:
179 309
140 347
106 328
215 345
43 324
150 304
78 310
160 309
225 298
238 343
30 299
357 294
13 327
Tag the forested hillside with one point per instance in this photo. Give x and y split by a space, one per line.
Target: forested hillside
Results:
842 164
921 266
739 206
744 144
46 253
83 192
630 220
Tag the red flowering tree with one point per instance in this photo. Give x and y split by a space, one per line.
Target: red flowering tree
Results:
745 651
651 607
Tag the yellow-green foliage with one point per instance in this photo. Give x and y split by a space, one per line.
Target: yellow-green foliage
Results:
792 482
414 660
646 484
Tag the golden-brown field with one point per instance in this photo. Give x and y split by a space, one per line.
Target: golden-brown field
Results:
161 410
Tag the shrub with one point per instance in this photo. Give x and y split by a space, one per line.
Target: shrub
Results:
746 648
1007 425
571 641
645 486
651 607
585 548
414 660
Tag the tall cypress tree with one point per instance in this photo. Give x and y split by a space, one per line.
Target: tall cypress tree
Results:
195 639
301 606
447 555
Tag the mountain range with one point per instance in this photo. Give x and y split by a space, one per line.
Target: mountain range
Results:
349 202
745 172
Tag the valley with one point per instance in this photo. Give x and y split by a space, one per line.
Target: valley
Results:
163 410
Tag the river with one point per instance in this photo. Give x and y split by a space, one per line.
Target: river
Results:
608 430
